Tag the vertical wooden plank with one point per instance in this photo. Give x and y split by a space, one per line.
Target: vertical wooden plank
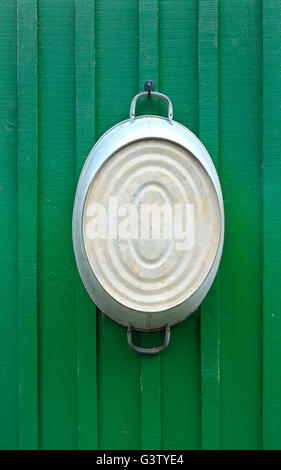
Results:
86 310
116 84
271 225
8 232
27 224
57 170
180 363
150 365
209 312
240 108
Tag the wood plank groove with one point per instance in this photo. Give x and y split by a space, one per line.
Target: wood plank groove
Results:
27 224
271 225
85 309
8 232
209 311
240 150
57 174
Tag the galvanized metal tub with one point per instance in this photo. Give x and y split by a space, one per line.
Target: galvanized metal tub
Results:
148 284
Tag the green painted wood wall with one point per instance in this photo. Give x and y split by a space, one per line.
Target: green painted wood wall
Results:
68 71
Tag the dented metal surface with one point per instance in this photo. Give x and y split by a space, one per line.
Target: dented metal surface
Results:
153 275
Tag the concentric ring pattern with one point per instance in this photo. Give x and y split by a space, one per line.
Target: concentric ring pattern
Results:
151 225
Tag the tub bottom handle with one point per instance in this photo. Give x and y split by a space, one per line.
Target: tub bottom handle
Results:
148 351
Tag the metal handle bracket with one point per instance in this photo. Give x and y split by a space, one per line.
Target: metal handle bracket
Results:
152 94
149 351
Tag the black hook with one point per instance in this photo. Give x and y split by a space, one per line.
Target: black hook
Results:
149 87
